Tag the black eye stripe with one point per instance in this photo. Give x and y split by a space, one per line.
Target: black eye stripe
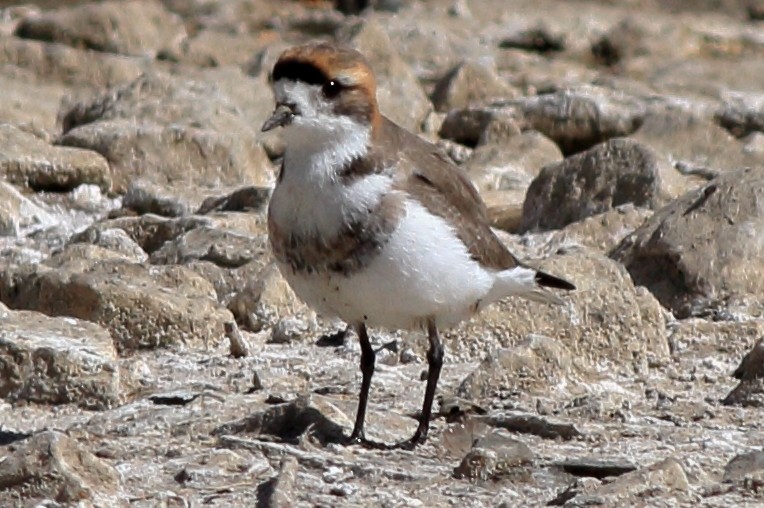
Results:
299 71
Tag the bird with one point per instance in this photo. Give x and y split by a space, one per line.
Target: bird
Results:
371 224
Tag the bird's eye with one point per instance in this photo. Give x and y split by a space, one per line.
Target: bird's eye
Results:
331 89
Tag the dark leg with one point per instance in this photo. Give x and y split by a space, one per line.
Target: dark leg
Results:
435 361
367 369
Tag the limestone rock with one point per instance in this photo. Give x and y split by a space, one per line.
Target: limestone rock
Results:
668 474
700 252
467 126
117 240
149 231
56 360
742 113
226 248
53 466
142 307
134 27
29 105
750 372
530 367
607 318
19 216
682 137
614 173
745 464
604 231
169 130
470 84
55 62
511 163
28 160
577 119
264 300
215 48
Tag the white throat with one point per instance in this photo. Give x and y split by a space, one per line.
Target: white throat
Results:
317 153
319 141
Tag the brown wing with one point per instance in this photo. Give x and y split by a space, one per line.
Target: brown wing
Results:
445 190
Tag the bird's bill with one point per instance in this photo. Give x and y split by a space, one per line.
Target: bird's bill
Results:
281 117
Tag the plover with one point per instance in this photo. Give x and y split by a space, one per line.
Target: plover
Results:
371 224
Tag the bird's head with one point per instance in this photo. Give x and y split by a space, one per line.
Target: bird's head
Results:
323 88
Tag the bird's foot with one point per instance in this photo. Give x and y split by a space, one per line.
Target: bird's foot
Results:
408 444
361 440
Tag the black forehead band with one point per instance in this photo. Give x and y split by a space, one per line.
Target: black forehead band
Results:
299 71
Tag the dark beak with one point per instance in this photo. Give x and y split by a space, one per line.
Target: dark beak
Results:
281 117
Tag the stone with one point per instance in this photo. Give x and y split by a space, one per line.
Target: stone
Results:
144 197
478 464
578 493
290 420
58 63
468 126
399 93
667 474
530 424
265 300
244 199
142 307
217 48
505 208
604 231
56 361
741 113
28 105
578 119
280 495
675 252
750 391
240 348
745 464
160 126
530 367
289 330
752 364
755 11
686 138
605 320
29 161
511 164
149 231
50 465
614 173
470 84
596 467
133 27
19 216
225 248
496 456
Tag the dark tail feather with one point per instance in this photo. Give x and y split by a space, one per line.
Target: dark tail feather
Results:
550 281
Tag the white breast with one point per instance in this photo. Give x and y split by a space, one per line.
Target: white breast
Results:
424 271
309 199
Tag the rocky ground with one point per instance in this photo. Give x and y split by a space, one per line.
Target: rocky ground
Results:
151 355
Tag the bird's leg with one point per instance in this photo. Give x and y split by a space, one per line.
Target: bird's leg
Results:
435 361
367 370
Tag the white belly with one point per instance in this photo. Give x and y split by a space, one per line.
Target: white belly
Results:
423 271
